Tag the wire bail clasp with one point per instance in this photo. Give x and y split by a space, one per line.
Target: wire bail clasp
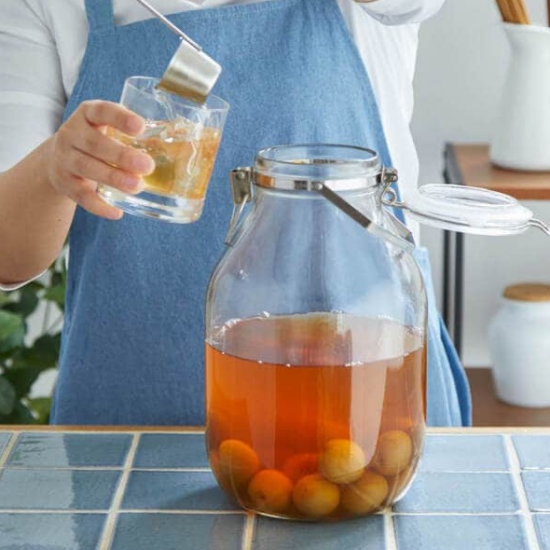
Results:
404 238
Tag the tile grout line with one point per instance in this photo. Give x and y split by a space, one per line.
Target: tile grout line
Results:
515 469
9 448
206 470
248 534
40 468
175 470
110 524
462 514
46 511
109 469
68 512
391 539
93 432
21 511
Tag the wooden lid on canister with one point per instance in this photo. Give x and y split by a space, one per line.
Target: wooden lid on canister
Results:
528 292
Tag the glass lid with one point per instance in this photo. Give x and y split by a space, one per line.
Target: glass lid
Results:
470 210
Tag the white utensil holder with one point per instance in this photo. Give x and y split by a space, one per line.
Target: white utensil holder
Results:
522 135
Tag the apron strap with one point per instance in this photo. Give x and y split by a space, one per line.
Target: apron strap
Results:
100 14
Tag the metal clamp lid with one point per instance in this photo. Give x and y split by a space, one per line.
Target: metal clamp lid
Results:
300 167
241 187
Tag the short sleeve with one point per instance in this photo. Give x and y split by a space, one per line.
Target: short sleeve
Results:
401 12
32 97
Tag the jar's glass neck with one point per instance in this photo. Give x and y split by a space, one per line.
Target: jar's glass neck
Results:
371 195
311 203
318 162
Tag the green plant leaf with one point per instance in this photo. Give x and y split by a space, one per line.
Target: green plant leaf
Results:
43 354
26 304
56 294
41 407
20 365
4 298
7 397
12 331
21 414
22 379
57 277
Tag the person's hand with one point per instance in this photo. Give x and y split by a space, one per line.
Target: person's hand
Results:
81 156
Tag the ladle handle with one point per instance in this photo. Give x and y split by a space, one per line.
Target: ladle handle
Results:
169 24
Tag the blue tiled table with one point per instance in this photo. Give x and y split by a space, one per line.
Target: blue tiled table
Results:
152 490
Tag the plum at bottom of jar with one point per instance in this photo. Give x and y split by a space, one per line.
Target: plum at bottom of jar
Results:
333 484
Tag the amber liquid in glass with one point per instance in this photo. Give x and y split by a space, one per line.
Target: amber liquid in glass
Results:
184 155
315 417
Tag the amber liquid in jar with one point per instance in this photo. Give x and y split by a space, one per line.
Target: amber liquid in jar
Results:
184 155
315 417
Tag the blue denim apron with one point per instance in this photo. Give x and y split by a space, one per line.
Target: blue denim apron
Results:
132 350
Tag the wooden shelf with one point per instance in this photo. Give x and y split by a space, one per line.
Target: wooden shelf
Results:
476 170
489 411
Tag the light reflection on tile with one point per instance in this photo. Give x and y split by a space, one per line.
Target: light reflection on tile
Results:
542 525
45 450
460 533
171 451
459 493
174 491
537 488
533 451
360 534
464 453
57 489
50 532
4 440
178 532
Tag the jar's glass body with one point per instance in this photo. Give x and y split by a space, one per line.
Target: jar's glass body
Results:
315 359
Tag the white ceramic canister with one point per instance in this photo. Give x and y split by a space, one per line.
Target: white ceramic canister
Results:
519 340
521 139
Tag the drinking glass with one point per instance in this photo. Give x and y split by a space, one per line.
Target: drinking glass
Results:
183 138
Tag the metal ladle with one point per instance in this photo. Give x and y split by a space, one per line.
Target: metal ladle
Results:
191 73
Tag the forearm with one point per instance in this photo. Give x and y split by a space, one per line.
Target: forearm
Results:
34 218
38 196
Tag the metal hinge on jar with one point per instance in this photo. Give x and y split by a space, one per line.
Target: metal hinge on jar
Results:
389 176
241 189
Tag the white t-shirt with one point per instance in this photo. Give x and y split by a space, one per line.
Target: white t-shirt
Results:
42 43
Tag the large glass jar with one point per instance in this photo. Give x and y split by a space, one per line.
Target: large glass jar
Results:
315 342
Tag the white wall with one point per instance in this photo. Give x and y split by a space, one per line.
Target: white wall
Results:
461 67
